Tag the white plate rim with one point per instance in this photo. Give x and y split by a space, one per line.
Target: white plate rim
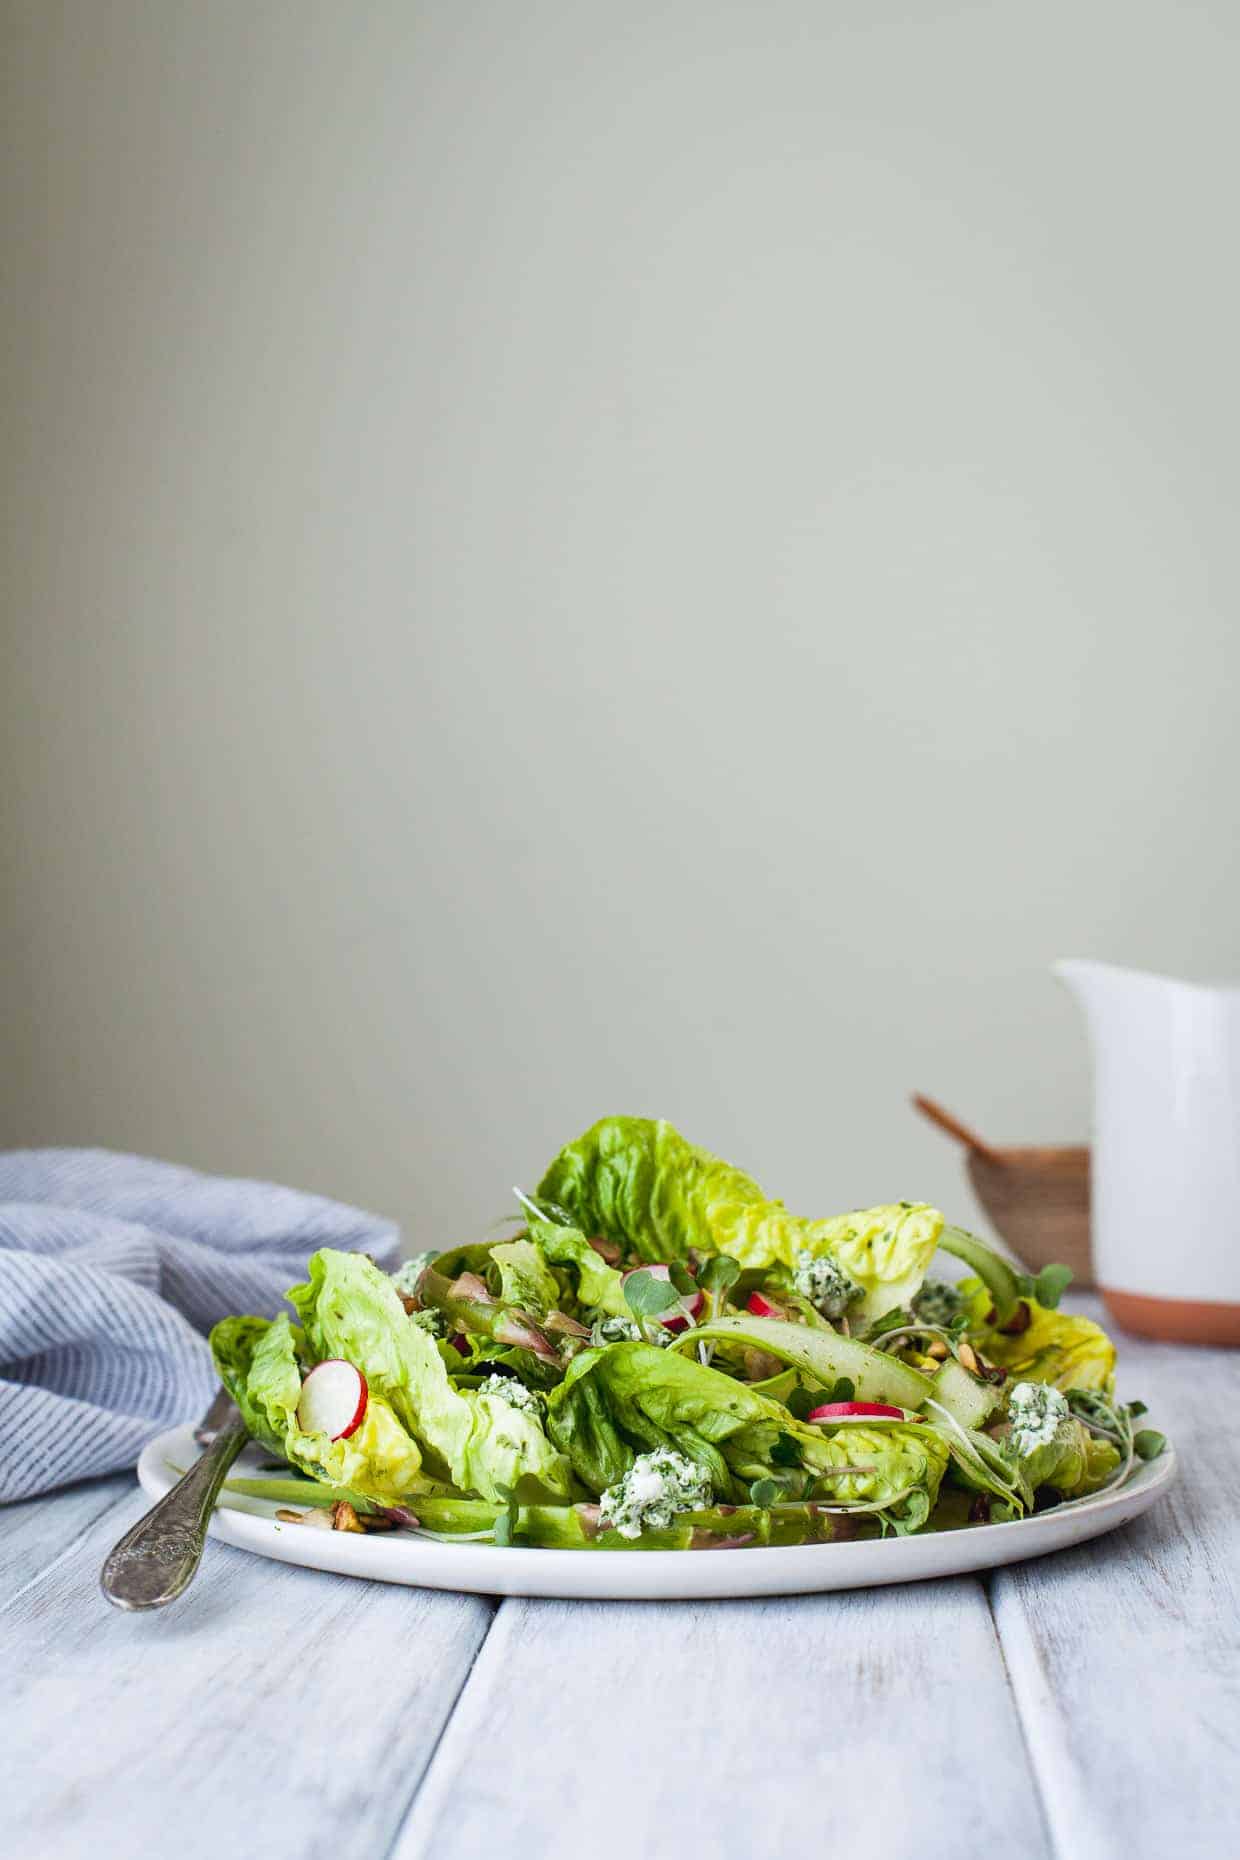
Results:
656 1575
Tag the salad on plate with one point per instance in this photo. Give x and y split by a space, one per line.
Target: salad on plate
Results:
660 1357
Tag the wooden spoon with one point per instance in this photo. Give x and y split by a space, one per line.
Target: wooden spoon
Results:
954 1128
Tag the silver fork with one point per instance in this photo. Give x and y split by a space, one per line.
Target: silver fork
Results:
157 1560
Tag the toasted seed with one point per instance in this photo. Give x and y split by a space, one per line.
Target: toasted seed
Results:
968 1356
938 1350
375 1521
344 1518
317 1519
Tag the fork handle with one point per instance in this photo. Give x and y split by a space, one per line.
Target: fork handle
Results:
156 1560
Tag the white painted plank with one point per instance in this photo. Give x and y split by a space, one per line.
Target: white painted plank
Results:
864 1722
271 1710
34 1532
1125 1654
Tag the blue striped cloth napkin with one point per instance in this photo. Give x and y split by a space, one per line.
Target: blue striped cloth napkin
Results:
112 1269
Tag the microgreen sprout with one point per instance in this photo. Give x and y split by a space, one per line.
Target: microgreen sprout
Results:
1113 1421
646 1296
548 1212
1047 1286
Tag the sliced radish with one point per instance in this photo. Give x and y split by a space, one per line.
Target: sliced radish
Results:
760 1306
860 1411
690 1309
333 1399
672 1319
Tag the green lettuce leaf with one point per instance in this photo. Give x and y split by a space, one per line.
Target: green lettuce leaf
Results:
525 1278
470 1256
349 1308
258 1365
599 1286
1070 1352
265 1408
639 1182
1073 1463
632 1398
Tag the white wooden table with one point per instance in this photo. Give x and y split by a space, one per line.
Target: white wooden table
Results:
1087 1705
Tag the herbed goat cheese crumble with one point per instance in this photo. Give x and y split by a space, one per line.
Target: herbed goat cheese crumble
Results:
826 1285
432 1322
607 1329
507 1388
614 1330
406 1276
1035 1410
656 1486
938 1303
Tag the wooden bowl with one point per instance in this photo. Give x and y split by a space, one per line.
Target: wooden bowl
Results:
1038 1200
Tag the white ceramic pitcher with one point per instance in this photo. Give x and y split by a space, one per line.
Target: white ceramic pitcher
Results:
1166 1160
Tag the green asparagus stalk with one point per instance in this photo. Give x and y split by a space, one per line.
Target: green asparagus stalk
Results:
468 1306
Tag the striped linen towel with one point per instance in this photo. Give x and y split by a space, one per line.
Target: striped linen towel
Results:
112 1269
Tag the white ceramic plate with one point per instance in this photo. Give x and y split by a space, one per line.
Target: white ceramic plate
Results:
653 1575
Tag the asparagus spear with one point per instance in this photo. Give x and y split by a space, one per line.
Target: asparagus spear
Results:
468 1306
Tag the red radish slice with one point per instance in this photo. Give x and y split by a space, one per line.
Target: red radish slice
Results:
333 1399
760 1306
672 1319
679 1320
859 1411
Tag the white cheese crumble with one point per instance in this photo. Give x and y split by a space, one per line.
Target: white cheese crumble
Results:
826 1285
430 1321
656 1486
938 1303
614 1330
406 1276
507 1388
1035 1410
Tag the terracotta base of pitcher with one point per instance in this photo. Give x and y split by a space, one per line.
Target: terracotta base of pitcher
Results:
1173 1320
